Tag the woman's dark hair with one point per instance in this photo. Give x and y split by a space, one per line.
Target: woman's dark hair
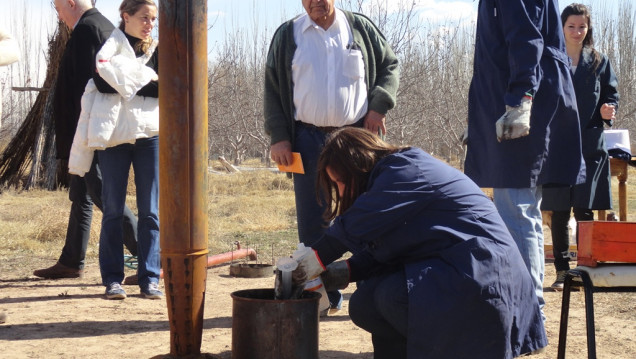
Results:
588 41
131 7
350 153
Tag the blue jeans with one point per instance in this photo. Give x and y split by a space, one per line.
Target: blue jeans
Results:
309 142
380 306
84 192
520 210
115 163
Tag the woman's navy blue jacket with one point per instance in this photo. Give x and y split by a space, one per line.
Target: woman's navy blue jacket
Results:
594 86
470 294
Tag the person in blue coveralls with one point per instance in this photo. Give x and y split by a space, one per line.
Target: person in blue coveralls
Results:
597 98
438 274
523 125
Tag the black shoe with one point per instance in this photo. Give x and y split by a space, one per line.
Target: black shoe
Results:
558 283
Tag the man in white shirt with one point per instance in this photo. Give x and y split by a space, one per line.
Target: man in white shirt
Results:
325 69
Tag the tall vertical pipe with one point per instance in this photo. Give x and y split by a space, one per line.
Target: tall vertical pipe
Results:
183 159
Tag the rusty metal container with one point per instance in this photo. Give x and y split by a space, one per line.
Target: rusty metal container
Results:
266 328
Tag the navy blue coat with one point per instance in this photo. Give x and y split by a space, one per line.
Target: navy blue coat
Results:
519 48
594 87
470 294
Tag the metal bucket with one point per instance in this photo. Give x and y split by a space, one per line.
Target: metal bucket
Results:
266 328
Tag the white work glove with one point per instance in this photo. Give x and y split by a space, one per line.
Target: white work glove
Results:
515 122
304 268
336 276
309 267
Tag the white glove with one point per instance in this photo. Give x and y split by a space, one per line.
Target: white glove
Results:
309 267
515 122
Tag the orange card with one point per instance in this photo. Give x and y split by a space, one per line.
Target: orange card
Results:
296 165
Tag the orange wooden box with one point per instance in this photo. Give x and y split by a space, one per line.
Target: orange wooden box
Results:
601 241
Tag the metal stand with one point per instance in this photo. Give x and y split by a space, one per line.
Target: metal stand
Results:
589 290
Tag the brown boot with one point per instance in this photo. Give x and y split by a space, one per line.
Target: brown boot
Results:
57 271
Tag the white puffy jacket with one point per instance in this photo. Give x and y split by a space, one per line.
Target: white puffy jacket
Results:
110 119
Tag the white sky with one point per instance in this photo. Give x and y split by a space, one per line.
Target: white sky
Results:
225 16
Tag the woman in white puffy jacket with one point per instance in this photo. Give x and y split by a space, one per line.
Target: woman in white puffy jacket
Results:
120 119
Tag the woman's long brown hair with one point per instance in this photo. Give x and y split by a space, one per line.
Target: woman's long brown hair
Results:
351 153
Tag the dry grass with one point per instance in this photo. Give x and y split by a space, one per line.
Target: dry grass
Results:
255 208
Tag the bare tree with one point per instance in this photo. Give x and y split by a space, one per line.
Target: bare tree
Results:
615 36
436 62
236 99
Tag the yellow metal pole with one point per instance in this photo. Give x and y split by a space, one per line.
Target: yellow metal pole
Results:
183 157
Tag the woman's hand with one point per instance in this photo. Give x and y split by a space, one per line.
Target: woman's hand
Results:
608 111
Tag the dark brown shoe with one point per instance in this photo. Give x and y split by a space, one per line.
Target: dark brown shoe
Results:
58 271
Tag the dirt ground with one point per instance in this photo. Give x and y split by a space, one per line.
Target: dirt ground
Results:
71 319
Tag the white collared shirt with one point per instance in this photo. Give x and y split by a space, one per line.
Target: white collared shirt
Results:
328 76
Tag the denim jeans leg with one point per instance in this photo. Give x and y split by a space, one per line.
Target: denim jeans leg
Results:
380 306
309 142
115 165
520 210
146 167
79 225
93 179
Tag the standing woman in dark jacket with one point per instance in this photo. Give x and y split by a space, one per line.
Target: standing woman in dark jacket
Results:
595 85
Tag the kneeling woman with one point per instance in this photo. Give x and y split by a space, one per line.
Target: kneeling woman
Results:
438 275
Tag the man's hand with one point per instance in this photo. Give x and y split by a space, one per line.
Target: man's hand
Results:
281 153
515 122
336 276
375 123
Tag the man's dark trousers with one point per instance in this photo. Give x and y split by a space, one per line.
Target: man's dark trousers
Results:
83 193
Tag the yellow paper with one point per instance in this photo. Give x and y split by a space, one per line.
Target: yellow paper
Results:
296 165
